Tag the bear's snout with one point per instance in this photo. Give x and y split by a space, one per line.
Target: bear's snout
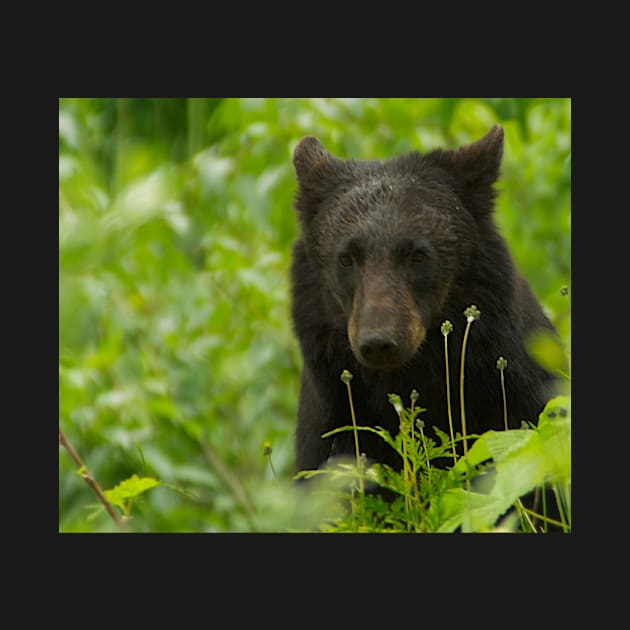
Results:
385 348
384 329
379 347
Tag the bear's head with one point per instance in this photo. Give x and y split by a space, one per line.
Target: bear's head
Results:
392 239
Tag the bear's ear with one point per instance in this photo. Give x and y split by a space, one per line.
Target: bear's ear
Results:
479 162
476 168
309 157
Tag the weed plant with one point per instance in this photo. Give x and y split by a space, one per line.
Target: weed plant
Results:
483 489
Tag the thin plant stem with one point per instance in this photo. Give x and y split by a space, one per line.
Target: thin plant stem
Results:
540 517
543 494
406 471
461 389
560 507
404 433
426 453
505 422
346 377
90 480
414 467
501 365
273 470
472 314
525 515
267 453
448 400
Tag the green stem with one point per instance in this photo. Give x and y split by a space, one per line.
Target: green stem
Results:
356 448
426 453
540 517
563 517
461 388
408 484
525 515
414 462
414 470
273 470
448 399
505 421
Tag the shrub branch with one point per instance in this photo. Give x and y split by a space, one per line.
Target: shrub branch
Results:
89 479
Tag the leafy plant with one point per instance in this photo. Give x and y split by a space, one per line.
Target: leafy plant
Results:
499 469
127 491
482 485
522 460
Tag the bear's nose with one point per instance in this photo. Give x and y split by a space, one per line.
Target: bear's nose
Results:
378 348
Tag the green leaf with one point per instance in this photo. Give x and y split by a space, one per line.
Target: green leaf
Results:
516 454
523 460
478 454
558 408
383 433
128 489
470 510
554 431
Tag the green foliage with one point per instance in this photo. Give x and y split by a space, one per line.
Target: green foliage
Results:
523 460
176 355
473 495
125 493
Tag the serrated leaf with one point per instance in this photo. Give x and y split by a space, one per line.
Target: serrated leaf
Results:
128 489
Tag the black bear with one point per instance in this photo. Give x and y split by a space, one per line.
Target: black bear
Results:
388 251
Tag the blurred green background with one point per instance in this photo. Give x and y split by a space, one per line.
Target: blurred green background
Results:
176 355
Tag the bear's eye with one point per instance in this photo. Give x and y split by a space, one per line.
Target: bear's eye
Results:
418 256
345 260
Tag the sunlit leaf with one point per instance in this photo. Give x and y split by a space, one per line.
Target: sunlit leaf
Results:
130 488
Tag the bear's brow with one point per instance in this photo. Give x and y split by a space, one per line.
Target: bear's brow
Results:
354 245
